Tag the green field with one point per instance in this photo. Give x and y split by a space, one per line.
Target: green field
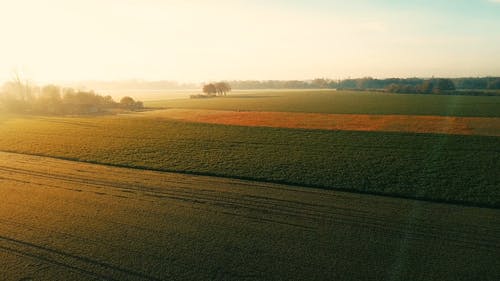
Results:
65 220
330 101
438 167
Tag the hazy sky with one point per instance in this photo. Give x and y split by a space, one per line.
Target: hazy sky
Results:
200 40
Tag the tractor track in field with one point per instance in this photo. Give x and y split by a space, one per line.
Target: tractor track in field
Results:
65 220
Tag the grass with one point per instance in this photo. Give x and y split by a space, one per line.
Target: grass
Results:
448 168
345 102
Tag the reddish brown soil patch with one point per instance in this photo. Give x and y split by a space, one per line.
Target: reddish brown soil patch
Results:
348 122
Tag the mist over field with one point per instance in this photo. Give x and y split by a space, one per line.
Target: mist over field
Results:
249 140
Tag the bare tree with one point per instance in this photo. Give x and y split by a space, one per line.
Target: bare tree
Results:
222 88
17 94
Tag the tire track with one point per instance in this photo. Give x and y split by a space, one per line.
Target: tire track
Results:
90 204
69 261
257 204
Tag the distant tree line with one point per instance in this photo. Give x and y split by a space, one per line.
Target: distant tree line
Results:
284 84
431 86
22 97
368 83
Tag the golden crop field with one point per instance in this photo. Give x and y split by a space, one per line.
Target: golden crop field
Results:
64 220
249 140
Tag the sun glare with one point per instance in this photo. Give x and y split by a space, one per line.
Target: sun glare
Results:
201 40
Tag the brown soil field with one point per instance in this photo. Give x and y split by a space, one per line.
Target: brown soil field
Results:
63 220
348 122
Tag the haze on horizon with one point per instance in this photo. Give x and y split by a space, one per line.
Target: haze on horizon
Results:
197 40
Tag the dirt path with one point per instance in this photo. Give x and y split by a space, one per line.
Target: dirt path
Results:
350 122
62 220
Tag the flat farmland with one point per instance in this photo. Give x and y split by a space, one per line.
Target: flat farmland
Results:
344 102
450 168
65 220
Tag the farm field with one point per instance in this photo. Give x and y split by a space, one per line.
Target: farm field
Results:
63 220
450 168
486 126
344 102
250 140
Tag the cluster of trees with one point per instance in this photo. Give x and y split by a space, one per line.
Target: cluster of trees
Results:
434 86
216 89
130 104
21 97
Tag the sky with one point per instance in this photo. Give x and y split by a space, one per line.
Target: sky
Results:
201 40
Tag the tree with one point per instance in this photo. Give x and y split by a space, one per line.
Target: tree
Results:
17 95
392 88
364 83
108 101
494 84
210 89
127 102
444 84
320 83
130 103
49 100
427 87
222 88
